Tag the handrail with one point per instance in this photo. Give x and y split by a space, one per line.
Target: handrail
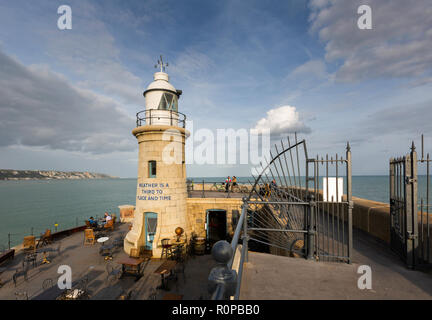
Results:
225 289
236 237
175 117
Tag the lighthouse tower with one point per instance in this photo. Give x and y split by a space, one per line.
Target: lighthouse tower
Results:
161 188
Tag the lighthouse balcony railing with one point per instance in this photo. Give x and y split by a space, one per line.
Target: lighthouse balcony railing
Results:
165 117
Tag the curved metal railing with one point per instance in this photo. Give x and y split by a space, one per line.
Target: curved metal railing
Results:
152 116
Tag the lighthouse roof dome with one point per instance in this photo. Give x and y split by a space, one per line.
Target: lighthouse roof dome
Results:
161 82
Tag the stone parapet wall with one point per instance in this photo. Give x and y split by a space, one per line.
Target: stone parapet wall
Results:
372 217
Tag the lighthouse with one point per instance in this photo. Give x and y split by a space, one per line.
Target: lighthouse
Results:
161 184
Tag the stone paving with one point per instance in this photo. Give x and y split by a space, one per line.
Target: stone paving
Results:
86 261
265 276
275 277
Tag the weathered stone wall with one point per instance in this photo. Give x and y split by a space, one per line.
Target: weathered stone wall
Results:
372 217
197 209
165 194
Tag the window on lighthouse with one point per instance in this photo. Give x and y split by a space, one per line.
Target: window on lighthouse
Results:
168 102
152 169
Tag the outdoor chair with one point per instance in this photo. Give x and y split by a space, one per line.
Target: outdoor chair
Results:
45 238
89 237
29 258
118 242
19 273
166 248
29 243
109 225
113 273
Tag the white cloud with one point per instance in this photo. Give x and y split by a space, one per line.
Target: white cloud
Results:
281 120
399 44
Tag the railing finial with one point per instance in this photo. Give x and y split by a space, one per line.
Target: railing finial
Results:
221 275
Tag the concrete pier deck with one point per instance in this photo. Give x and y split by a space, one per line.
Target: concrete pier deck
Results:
86 261
276 277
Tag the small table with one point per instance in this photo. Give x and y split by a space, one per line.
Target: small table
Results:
131 266
102 239
164 269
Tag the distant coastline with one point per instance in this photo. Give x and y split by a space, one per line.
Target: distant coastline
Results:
7 174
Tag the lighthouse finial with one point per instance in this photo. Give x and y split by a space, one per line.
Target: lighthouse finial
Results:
161 64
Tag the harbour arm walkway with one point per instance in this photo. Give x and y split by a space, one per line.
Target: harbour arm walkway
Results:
265 276
276 277
86 262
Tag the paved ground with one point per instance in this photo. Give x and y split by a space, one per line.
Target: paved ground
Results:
274 277
265 276
86 261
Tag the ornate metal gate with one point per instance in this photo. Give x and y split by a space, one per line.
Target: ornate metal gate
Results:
410 220
332 206
288 211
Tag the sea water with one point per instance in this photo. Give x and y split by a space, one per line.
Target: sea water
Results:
31 206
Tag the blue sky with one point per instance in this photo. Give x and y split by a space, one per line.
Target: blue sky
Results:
69 97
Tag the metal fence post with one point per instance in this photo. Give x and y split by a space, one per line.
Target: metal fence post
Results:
311 227
411 208
349 200
203 194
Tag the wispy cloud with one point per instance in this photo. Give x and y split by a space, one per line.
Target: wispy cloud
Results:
399 44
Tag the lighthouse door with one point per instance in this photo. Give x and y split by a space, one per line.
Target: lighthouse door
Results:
150 228
216 225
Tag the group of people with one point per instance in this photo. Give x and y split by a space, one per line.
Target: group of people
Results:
94 223
229 181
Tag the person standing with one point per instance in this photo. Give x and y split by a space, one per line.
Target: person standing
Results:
234 183
227 183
